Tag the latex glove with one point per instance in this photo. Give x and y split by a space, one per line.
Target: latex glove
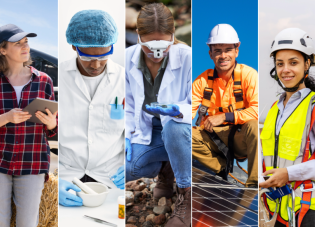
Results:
66 198
172 110
128 149
119 178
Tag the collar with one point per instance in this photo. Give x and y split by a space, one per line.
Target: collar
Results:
173 55
35 73
72 66
300 94
215 73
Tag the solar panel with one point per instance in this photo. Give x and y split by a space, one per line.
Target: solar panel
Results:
216 202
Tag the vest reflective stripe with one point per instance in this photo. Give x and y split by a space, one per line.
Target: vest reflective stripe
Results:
291 145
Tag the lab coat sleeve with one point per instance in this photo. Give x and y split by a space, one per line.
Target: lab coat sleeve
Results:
185 106
130 110
302 171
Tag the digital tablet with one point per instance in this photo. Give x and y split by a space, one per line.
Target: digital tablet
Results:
40 104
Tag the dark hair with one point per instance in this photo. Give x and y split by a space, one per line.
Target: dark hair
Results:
235 45
309 81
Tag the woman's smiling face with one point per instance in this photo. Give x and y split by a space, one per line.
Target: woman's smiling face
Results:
290 66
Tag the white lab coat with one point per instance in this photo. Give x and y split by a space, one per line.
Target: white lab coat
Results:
90 142
175 88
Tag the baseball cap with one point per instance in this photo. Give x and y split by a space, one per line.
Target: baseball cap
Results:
13 33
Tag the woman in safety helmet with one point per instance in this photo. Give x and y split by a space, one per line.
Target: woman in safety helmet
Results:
24 150
288 136
158 138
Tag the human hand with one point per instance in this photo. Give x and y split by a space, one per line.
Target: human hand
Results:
171 110
128 149
279 178
213 121
119 178
17 116
66 198
48 120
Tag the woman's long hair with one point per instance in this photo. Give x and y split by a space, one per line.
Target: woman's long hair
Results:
3 61
309 81
156 17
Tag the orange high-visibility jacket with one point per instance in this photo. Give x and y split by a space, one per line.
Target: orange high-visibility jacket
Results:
223 96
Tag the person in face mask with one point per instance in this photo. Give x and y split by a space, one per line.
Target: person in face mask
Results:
158 138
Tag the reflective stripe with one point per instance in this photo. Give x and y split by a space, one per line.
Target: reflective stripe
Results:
291 146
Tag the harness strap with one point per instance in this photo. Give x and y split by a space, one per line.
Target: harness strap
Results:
305 202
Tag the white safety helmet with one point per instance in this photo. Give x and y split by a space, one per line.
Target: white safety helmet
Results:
223 33
294 39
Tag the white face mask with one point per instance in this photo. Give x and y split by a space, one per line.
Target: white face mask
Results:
157 47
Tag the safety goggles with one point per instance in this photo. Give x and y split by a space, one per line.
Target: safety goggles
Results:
102 57
157 47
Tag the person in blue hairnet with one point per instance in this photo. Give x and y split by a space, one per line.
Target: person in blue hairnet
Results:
91 96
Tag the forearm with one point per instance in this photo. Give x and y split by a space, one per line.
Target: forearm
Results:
245 115
3 119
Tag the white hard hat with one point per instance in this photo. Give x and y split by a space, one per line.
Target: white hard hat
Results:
223 33
294 39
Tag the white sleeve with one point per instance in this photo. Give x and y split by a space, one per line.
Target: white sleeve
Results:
302 171
185 106
130 110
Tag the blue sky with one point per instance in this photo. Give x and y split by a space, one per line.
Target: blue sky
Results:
243 16
36 16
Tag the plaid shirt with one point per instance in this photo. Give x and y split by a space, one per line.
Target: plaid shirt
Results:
24 148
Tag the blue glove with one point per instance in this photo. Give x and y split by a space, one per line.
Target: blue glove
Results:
119 178
171 110
128 149
66 198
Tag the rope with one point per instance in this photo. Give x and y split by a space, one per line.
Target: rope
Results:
241 169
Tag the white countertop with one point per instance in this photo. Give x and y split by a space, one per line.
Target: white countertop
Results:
73 216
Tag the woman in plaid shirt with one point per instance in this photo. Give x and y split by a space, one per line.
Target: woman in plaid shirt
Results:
24 150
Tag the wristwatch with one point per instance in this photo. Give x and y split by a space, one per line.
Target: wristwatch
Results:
179 116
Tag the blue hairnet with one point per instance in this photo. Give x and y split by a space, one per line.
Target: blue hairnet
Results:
92 28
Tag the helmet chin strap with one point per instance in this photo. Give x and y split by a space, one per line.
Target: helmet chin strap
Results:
287 89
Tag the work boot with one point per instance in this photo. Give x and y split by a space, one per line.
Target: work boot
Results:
164 185
181 216
223 174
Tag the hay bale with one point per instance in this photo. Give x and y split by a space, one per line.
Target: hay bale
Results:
48 209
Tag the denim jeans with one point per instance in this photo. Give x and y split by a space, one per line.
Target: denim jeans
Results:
171 143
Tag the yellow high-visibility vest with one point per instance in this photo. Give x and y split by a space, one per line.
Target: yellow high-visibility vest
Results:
287 148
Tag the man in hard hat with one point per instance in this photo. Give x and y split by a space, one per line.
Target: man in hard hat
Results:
228 115
91 94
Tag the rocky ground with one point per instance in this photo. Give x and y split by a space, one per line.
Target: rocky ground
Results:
141 209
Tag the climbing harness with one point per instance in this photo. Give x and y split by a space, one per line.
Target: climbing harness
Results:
207 93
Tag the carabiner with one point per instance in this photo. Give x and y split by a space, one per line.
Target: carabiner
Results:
272 221
291 212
